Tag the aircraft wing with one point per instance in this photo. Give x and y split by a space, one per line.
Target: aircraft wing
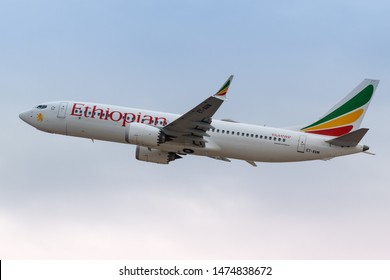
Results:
191 127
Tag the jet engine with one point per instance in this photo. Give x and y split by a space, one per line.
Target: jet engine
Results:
144 135
155 155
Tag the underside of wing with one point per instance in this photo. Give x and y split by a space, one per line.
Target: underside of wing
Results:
192 127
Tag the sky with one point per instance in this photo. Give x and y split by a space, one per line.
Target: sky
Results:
69 198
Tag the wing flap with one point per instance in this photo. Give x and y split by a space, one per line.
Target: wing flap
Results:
220 158
195 123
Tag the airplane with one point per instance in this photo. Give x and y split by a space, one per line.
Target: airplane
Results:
164 137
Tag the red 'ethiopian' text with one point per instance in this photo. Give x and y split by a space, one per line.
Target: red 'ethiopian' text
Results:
93 112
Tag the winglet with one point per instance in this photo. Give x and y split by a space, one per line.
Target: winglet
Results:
222 92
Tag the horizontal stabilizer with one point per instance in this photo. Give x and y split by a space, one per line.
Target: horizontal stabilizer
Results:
349 140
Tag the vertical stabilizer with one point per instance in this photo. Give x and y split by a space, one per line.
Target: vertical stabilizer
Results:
347 115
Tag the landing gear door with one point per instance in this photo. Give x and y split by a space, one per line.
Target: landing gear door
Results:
302 144
62 110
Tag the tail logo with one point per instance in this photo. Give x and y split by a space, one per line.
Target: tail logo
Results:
341 120
224 88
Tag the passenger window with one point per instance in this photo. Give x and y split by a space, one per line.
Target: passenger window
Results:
265 137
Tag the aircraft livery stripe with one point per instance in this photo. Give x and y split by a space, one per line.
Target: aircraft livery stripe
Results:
357 101
343 120
338 131
224 89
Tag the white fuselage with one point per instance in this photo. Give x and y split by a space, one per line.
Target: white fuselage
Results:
226 139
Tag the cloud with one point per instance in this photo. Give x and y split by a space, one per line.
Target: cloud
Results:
218 217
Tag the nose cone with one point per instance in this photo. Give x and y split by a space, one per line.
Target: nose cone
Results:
26 117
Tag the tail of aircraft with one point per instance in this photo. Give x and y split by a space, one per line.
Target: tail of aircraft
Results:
347 115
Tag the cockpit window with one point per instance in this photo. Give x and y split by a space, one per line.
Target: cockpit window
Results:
41 106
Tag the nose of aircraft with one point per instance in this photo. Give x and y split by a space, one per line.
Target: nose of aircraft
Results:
26 117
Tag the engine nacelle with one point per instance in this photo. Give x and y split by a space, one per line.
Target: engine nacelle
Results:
144 135
155 155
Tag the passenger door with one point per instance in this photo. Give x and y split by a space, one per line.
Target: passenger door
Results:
62 110
302 144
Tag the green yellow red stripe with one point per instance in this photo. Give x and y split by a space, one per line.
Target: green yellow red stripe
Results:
224 89
338 131
359 100
343 120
